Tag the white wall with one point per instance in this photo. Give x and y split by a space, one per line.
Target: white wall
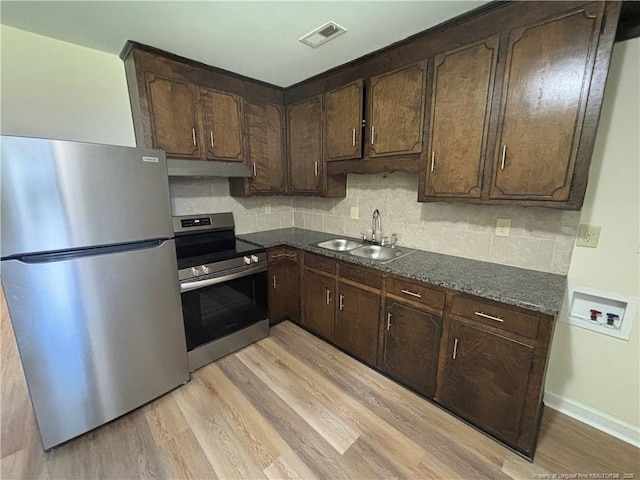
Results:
54 89
595 370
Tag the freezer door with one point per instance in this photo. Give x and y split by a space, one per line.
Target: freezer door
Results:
58 195
98 336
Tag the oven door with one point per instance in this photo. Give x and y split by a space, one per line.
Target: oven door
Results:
217 307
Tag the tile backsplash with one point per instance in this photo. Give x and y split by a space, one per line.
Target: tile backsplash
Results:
540 238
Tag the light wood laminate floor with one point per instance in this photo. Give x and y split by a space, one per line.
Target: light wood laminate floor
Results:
291 406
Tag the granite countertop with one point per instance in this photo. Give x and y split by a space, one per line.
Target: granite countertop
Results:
531 289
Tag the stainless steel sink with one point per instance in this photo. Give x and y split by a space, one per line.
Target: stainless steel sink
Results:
339 244
380 254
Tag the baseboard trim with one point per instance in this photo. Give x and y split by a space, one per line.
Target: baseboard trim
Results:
595 418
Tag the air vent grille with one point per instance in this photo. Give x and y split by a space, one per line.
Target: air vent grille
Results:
322 34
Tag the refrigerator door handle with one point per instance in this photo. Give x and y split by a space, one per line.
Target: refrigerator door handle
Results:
86 252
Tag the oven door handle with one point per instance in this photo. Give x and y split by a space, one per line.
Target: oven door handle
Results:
188 286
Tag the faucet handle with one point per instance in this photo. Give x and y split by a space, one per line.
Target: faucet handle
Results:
384 241
364 235
394 240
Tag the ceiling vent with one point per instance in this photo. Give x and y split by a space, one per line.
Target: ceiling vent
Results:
323 34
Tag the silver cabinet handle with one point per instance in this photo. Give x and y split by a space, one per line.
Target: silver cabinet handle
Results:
211 137
255 170
504 154
455 348
373 131
353 138
433 159
193 136
388 321
341 306
315 168
413 294
490 317
274 281
284 255
328 296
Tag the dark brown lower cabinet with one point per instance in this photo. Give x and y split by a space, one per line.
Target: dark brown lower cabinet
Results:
410 346
357 318
486 378
284 287
318 296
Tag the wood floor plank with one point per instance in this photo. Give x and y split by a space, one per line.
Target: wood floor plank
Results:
277 376
217 438
183 458
377 431
321 458
288 466
165 419
252 429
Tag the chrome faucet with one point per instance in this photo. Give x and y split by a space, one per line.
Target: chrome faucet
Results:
376 223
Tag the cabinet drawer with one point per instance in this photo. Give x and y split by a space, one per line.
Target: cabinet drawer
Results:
367 276
416 292
496 316
320 263
279 254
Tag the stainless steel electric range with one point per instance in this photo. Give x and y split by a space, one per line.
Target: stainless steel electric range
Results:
223 285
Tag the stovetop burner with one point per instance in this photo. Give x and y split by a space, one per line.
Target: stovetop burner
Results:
206 244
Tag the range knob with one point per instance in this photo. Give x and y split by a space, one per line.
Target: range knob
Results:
194 271
205 269
247 260
254 258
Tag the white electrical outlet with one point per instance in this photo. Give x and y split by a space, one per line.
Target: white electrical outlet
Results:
503 227
355 212
588 236
267 208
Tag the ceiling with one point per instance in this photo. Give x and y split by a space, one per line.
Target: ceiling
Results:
258 39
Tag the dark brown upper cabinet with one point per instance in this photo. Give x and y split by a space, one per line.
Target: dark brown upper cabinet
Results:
174 117
265 148
396 111
548 75
460 108
304 123
343 122
223 132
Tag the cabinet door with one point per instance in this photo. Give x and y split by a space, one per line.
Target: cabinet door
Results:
318 296
461 103
283 291
396 111
411 344
174 117
544 95
343 122
305 146
265 147
357 322
486 378
223 132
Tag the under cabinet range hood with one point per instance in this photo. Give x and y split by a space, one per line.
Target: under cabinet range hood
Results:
199 168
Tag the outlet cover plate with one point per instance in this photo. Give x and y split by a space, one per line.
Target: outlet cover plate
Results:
355 212
267 208
588 236
503 227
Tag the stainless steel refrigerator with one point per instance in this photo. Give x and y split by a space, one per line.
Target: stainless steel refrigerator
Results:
89 273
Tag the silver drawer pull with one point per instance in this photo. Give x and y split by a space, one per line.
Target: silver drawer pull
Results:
433 159
353 138
255 170
316 169
455 348
193 136
504 155
490 317
413 294
211 137
388 321
274 281
341 306
328 296
373 132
